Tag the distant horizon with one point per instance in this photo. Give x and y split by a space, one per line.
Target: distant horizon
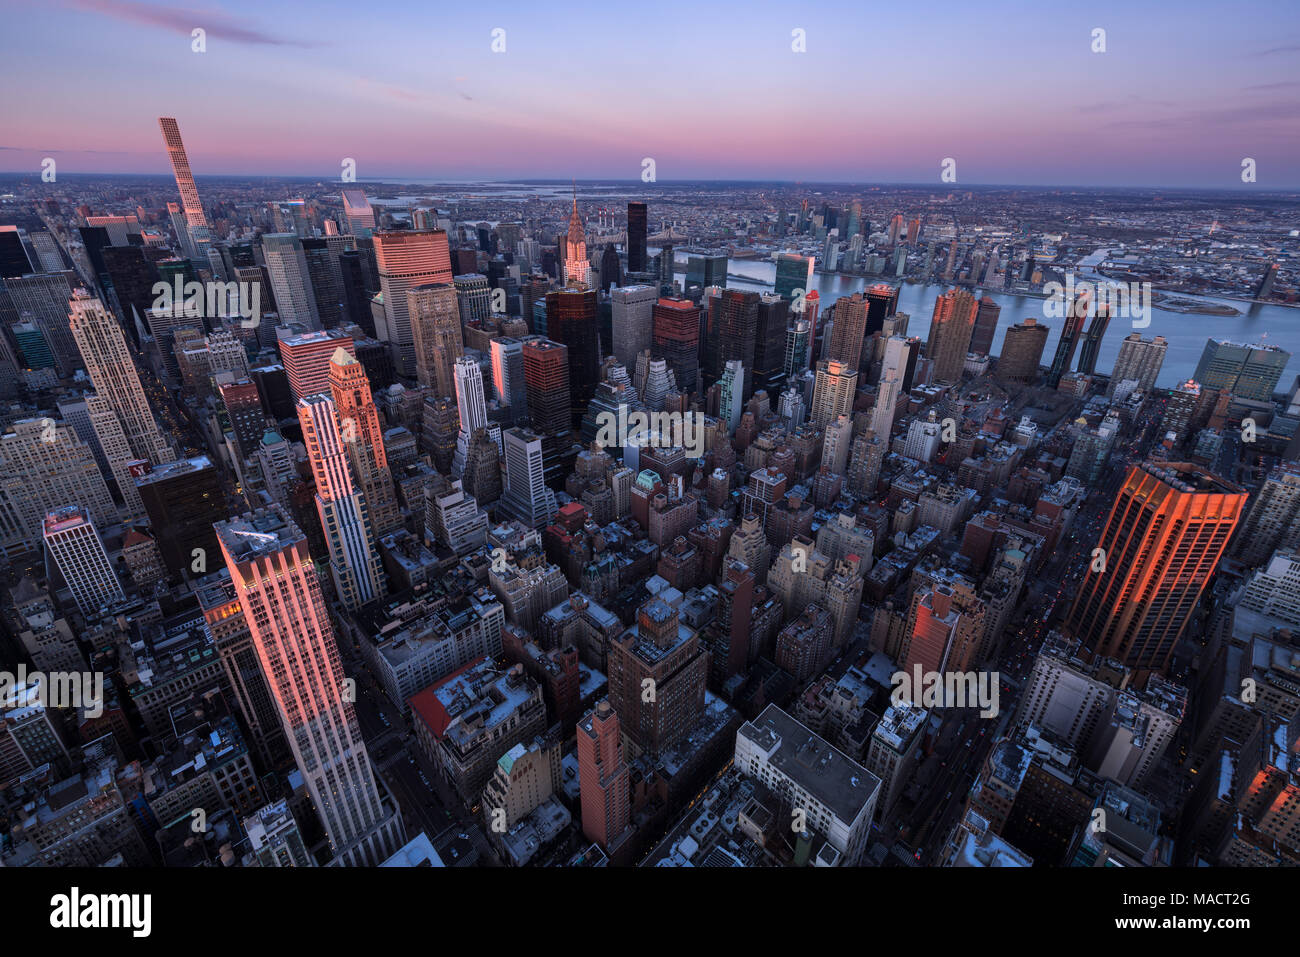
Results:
167 175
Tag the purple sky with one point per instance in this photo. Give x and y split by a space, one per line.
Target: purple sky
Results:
1011 91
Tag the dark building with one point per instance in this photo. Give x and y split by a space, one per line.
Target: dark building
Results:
636 235
571 320
356 300
986 325
1078 311
326 280
13 257
769 343
1092 341
676 340
882 302
546 382
611 272
736 330
277 396
133 279
183 499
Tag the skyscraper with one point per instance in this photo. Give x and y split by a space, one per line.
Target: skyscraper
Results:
359 213
1160 545
354 560
571 321
636 237
183 499
793 272
196 222
354 403
833 391
676 340
546 378
986 324
1247 371
1139 360
286 265
79 554
1022 351
602 776
951 328
577 267
1065 346
849 329
110 367
508 382
1273 519
736 329
275 581
407 259
632 321
526 497
1092 340
436 333
306 359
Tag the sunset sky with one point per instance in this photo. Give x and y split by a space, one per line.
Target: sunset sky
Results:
884 92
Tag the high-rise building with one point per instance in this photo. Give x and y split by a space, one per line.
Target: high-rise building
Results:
636 237
42 300
546 378
1160 545
306 359
571 320
632 321
706 269
526 497
354 404
14 261
986 324
79 554
602 777
508 382
110 367
1092 340
1274 518
882 304
577 267
471 406
46 466
1069 341
833 391
657 671
286 266
437 336
196 222
280 595
1139 361
1022 352
676 340
735 332
183 499
1247 371
407 259
359 213
794 275
354 560
951 328
849 330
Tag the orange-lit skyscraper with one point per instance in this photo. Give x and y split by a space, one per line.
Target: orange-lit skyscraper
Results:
1163 540
275 580
359 422
406 259
951 329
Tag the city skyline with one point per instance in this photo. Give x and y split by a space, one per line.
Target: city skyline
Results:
997 93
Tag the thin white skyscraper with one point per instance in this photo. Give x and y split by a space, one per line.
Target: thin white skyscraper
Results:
110 367
526 496
354 559
196 223
358 211
471 406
